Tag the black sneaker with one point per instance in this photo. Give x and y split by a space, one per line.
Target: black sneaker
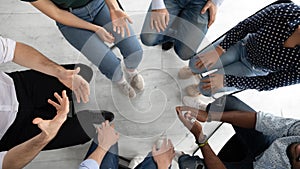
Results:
167 45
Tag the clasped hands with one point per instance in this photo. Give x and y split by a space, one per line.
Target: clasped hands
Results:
194 127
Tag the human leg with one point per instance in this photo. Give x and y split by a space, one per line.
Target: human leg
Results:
33 90
191 28
147 163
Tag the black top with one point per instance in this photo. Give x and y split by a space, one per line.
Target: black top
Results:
268 30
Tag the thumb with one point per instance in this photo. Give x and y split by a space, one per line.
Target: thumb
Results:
129 19
204 9
77 70
37 120
153 148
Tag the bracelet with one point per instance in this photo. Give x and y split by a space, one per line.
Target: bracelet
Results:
203 144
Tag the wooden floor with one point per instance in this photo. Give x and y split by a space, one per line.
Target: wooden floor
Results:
142 120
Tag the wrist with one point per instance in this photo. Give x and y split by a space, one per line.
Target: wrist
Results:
162 165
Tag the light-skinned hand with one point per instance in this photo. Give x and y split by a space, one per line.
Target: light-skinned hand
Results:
214 83
212 8
50 127
107 136
104 35
119 20
77 84
163 157
159 19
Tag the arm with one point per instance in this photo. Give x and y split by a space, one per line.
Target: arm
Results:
275 126
211 160
269 82
66 18
249 25
19 156
106 138
29 57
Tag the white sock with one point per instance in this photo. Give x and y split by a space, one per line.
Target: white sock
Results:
131 72
122 80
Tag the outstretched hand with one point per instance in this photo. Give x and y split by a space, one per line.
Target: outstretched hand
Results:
107 135
50 127
163 157
77 84
119 20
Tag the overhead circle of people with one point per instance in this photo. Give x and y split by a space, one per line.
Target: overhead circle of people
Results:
261 52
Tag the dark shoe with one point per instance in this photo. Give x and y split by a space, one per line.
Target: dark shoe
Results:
167 45
95 116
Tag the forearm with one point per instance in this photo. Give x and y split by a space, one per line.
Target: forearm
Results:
210 158
29 57
19 156
242 119
62 16
112 4
98 155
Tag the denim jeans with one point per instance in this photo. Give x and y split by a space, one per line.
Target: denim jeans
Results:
187 27
148 163
248 142
111 158
95 49
232 62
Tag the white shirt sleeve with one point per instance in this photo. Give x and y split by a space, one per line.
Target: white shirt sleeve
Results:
88 164
158 4
7 49
217 2
2 154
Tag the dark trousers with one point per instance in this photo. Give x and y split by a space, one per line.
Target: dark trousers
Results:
33 89
240 151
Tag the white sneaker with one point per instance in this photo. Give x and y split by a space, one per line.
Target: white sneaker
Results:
127 89
192 90
194 102
185 73
137 82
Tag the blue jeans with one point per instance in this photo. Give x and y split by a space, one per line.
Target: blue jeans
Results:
246 144
95 49
232 62
187 27
148 163
111 158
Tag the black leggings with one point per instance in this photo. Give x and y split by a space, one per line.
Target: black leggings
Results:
33 89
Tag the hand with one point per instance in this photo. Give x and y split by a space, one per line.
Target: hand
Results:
195 128
50 127
107 135
207 60
213 83
163 157
119 19
104 35
77 84
193 113
212 12
159 19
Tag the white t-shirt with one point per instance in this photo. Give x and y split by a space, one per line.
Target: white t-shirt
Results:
8 98
159 4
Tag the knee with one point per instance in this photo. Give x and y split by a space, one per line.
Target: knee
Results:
148 39
184 52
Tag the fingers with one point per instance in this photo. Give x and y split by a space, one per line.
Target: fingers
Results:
37 120
205 8
167 19
54 104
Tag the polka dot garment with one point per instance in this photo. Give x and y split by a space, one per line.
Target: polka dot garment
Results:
267 31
